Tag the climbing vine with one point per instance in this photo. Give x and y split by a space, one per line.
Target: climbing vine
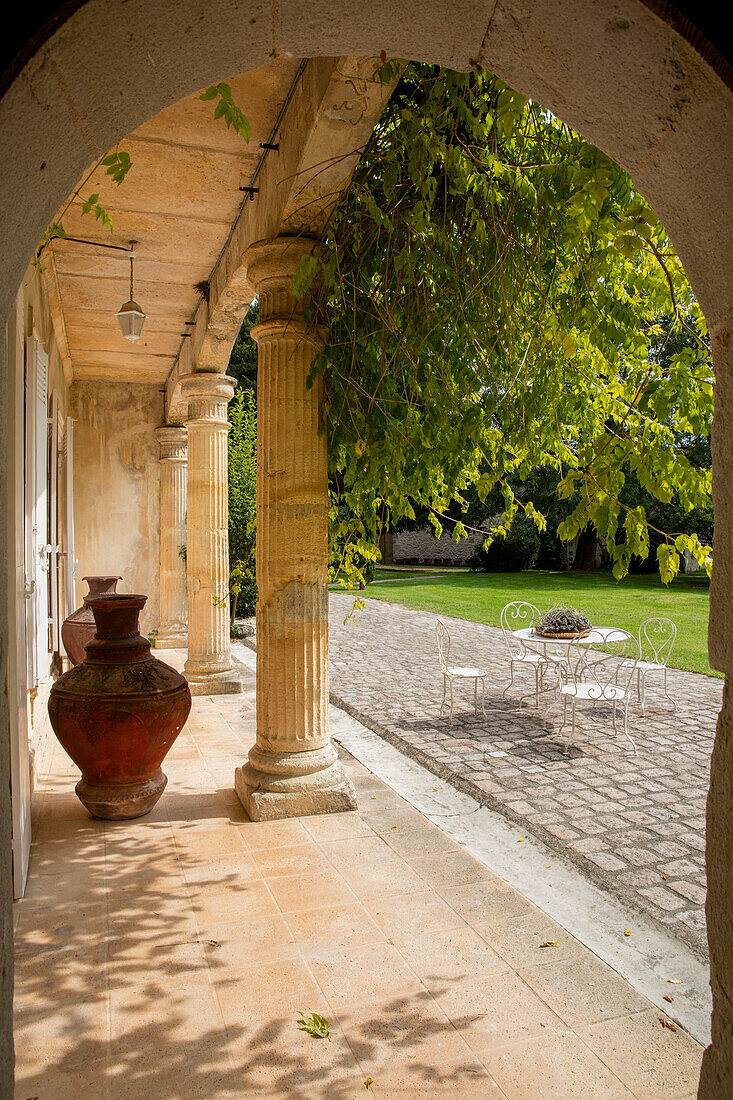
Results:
497 300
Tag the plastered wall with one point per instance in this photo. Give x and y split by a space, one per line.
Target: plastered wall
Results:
117 487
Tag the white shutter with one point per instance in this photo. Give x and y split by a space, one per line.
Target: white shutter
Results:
39 528
68 474
53 524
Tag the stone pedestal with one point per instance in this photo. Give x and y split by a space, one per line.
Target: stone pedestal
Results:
209 668
172 630
293 769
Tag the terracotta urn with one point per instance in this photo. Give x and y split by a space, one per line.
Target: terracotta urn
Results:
118 712
79 628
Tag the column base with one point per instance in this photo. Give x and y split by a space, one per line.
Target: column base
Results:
227 682
273 785
171 640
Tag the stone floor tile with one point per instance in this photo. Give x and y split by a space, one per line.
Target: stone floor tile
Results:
581 990
60 1040
290 859
464 1077
421 840
293 893
330 827
236 946
481 903
451 868
272 834
651 1060
273 1057
561 1066
500 1009
228 902
89 1080
409 1028
519 940
364 975
412 914
383 878
279 988
332 928
449 955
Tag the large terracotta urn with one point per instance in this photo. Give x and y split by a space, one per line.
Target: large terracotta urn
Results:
118 712
79 628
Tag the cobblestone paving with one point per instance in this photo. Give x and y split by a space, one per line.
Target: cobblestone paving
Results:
634 824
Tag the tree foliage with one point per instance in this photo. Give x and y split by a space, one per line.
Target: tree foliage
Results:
493 290
242 473
243 358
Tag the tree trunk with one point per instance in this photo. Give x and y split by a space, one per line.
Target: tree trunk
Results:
585 553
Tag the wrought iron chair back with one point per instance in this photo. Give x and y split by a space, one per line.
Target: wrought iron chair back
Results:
443 638
605 669
656 639
517 616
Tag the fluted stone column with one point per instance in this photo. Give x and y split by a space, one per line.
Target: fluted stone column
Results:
173 476
293 769
209 669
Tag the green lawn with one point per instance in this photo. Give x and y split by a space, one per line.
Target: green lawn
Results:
481 596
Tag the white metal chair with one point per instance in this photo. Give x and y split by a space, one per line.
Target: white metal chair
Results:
517 616
457 672
601 675
656 639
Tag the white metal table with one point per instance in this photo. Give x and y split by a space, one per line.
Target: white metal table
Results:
597 636
530 638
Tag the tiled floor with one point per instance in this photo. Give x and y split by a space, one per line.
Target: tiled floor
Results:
167 958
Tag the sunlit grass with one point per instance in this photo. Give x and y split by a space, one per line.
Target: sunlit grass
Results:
480 597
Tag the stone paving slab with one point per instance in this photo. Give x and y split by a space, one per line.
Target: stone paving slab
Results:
634 824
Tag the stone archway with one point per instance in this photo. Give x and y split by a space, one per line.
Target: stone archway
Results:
617 73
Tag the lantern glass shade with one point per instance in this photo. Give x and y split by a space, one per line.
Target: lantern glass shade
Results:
131 319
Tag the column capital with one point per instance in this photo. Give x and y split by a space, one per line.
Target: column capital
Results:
208 384
173 442
271 266
207 396
276 259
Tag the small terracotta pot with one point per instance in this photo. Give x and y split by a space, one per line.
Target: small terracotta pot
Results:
79 628
118 712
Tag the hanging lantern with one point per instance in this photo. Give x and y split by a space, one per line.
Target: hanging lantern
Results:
130 316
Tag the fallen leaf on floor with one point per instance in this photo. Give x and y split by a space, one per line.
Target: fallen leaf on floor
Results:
435 789
627 931
547 866
521 840
550 943
394 828
370 1080
569 845
667 1023
374 796
674 981
315 1025
669 998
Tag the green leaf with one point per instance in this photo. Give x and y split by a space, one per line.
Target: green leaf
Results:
315 1025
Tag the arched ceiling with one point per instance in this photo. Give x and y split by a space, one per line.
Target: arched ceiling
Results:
178 202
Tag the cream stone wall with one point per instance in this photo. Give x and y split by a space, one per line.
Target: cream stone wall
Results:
117 487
